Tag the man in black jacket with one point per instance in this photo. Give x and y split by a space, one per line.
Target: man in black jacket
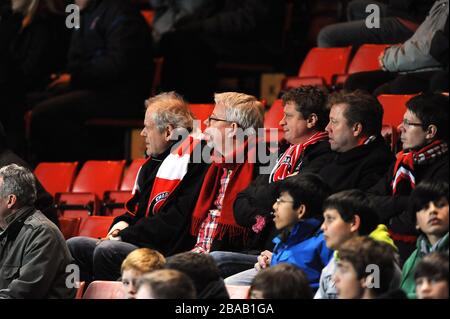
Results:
110 66
157 217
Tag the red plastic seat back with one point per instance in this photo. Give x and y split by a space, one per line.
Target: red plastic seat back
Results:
366 58
394 107
201 112
130 175
99 176
56 177
95 226
104 290
274 115
69 227
325 63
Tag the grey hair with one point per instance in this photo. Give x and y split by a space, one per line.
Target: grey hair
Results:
170 109
243 109
19 181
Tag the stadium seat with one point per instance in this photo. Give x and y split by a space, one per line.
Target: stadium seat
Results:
94 178
95 226
390 134
80 290
319 67
394 107
238 292
274 115
56 177
201 112
104 290
69 227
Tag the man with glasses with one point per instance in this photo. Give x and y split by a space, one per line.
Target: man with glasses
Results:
424 137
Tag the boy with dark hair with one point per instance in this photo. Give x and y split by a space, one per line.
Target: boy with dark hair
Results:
283 281
431 277
365 269
348 214
165 284
429 203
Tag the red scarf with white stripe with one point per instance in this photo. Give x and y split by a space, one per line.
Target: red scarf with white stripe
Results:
287 163
404 180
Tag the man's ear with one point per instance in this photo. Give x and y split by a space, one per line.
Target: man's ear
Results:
233 130
355 224
431 132
168 132
301 212
357 129
11 201
312 120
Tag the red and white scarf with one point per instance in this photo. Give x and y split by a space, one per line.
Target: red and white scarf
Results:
404 180
291 159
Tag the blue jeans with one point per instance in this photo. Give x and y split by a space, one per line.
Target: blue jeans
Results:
231 263
98 260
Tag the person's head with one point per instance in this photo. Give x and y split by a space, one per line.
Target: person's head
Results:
425 120
299 197
365 269
138 263
431 276
233 113
201 268
17 189
305 113
31 8
347 214
166 119
354 116
82 3
283 281
429 204
165 284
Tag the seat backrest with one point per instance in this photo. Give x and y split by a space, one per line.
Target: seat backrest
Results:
394 107
366 58
80 290
274 115
104 290
325 63
95 226
201 112
69 227
56 177
99 176
130 174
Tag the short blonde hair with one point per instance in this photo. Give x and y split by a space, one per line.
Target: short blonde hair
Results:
143 260
243 109
170 109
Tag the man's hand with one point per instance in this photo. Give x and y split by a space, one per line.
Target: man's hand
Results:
60 81
264 260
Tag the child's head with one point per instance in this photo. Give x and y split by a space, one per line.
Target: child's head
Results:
138 263
165 284
300 197
365 268
347 214
429 205
431 276
283 281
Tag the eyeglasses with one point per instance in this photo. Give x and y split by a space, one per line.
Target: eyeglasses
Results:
216 119
406 123
280 201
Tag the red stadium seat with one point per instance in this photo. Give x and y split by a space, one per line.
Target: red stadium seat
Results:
274 115
56 177
390 135
238 292
394 107
80 290
104 290
201 112
69 227
95 226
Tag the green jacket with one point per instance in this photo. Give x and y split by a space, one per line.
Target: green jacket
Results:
424 247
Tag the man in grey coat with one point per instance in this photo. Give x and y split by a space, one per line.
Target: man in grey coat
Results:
33 254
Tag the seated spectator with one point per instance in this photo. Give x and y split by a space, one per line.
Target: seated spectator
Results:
297 214
431 276
283 281
33 253
347 215
139 262
397 23
429 204
304 121
109 74
362 156
408 67
203 272
231 132
355 276
44 201
424 137
152 221
165 284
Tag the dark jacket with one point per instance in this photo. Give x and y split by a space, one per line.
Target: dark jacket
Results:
33 258
360 168
412 10
260 196
112 49
168 231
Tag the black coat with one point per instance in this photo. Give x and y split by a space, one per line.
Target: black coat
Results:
168 231
260 196
359 168
413 10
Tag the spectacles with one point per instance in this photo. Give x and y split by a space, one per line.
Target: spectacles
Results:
216 119
405 122
279 201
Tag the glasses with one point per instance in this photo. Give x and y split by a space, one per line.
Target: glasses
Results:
407 123
280 201
211 118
